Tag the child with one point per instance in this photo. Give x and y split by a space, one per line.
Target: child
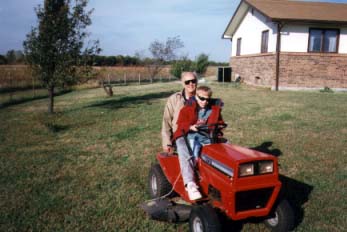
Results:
198 111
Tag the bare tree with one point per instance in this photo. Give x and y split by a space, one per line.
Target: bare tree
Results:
162 52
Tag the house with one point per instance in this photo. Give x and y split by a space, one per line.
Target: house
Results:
289 44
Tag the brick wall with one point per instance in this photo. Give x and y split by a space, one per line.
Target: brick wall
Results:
255 69
297 70
313 70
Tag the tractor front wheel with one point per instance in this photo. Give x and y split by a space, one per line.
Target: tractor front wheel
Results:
282 218
203 218
158 185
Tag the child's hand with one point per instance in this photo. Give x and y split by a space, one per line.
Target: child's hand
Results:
193 128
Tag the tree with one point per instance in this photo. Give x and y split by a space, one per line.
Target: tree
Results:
55 48
11 56
182 65
14 57
3 60
201 64
163 52
19 57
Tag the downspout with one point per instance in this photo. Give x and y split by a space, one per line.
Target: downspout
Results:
278 52
231 52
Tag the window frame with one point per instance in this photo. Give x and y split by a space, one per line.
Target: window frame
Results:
238 46
321 50
264 47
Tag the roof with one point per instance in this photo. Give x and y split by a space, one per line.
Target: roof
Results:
286 10
298 10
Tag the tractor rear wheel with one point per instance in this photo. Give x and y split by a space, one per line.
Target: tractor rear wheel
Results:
203 218
282 218
158 185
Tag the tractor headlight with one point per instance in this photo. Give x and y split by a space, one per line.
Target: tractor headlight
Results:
246 169
266 167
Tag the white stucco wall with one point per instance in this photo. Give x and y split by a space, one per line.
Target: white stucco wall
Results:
343 41
250 31
294 38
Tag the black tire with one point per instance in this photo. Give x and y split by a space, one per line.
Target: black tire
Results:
158 185
203 218
282 218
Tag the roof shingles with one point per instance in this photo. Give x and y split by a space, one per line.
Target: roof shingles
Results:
301 11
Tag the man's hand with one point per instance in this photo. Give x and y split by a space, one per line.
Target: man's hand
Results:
169 150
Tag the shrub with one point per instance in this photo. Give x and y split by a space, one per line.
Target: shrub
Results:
201 64
326 90
180 66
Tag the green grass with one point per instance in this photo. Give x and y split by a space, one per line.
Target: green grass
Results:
85 168
13 97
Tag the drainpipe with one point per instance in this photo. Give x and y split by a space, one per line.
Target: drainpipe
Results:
231 41
278 51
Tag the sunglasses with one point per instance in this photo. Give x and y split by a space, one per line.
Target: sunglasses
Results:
203 98
193 81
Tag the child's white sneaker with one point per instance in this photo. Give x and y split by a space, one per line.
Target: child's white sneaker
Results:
193 192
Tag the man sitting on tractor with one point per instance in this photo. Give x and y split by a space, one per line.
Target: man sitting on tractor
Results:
197 111
173 106
172 109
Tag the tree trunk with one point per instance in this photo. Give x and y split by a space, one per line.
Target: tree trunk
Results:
51 100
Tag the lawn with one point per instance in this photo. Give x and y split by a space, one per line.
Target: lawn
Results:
85 168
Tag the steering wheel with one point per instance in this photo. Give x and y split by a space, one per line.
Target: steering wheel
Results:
211 130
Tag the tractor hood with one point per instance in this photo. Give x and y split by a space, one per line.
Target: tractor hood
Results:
233 154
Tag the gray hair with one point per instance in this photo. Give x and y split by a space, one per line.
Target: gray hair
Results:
189 73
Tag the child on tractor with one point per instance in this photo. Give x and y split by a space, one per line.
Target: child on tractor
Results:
198 111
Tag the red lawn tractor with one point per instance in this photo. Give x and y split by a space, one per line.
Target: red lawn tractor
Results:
236 183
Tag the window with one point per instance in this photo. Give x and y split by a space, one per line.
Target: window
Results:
238 48
264 41
323 40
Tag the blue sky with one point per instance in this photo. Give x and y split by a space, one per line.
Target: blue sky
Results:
124 27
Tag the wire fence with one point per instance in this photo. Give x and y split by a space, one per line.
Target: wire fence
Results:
131 75
17 77
18 84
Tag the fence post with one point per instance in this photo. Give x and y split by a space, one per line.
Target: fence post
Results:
32 76
125 78
139 78
10 85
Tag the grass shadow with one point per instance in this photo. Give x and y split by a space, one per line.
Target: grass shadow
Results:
297 193
20 101
125 101
18 88
56 128
31 98
265 147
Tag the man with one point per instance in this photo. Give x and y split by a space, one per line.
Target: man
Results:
172 109
173 106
